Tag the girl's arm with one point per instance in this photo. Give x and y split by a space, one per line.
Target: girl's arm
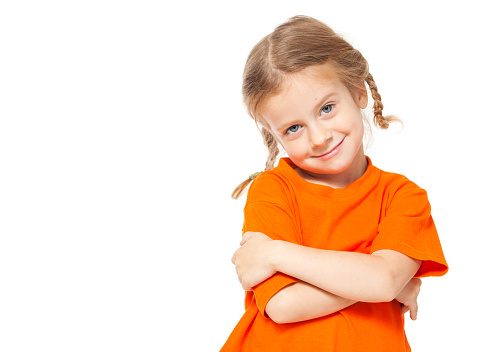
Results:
360 277
302 301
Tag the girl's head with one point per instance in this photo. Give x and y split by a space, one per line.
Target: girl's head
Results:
298 53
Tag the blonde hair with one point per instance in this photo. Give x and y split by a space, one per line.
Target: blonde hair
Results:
299 43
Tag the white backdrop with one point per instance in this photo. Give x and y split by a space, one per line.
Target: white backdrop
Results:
122 135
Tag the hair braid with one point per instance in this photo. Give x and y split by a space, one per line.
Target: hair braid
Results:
272 146
379 119
273 152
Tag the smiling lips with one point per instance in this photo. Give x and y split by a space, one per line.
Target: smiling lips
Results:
331 153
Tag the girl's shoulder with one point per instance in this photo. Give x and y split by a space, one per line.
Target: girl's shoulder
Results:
396 180
271 185
398 187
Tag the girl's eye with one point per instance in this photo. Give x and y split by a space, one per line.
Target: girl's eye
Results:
293 129
326 109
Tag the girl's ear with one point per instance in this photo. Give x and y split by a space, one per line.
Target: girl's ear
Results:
361 97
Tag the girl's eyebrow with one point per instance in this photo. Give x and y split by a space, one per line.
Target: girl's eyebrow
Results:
316 108
323 101
283 127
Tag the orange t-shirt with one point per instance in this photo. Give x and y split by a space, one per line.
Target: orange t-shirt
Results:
380 210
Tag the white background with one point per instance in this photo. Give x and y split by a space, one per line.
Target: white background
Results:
122 135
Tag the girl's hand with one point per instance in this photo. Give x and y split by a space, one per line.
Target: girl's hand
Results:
408 298
252 260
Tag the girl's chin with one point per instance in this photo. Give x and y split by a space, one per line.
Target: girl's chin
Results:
329 168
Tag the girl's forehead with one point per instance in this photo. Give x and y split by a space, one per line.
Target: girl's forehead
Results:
308 84
303 88
301 95
321 72
312 75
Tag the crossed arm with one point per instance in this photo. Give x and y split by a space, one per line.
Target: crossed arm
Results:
301 301
330 280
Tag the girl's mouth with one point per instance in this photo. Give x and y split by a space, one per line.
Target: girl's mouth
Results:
331 153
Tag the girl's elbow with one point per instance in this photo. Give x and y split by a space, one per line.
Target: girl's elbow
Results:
277 309
379 296
388 295
391 289
387 289
277 317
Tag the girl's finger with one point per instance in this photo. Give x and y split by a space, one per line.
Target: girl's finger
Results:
413 312
246 237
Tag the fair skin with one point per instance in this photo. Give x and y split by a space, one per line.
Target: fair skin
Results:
318 123
321 292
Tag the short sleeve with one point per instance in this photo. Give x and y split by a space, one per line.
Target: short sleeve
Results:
275 220
408 228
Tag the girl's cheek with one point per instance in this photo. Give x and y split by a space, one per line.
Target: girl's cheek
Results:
301 142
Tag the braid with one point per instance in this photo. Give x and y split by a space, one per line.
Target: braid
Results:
273 152
240 189
379 119
272 146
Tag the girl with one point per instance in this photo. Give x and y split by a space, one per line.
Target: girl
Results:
333 247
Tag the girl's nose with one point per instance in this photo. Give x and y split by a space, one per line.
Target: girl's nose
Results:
319 135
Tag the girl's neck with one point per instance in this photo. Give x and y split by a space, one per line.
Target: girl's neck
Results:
341 180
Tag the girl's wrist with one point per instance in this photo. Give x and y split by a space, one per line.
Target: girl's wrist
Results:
276 256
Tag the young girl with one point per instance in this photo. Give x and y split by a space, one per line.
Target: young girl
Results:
333 246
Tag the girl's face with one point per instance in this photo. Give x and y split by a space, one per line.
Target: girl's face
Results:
318 122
